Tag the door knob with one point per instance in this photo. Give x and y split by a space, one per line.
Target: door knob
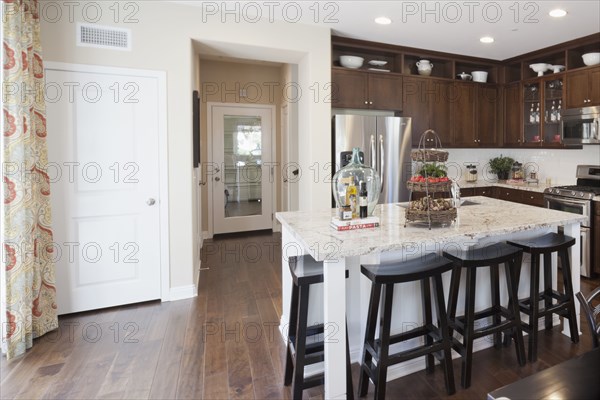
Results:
217 170
217 179
151 201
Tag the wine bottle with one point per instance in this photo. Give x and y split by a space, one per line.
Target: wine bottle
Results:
362 199
531 115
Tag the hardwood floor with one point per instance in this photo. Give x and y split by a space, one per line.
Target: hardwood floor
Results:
223 344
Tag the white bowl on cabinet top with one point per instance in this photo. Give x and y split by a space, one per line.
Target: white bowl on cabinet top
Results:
540 68
591 58
479 76
353 62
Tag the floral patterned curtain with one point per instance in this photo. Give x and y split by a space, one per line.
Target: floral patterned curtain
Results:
28 292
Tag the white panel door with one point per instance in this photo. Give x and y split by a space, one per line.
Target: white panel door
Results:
243 169
103 135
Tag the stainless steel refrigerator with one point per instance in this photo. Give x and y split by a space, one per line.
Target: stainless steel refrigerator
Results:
385 143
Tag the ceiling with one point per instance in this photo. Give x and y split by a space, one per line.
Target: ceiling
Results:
518 27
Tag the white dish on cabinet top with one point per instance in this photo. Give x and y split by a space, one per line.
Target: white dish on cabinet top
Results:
378 63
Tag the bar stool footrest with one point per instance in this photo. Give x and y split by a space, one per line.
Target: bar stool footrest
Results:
459 323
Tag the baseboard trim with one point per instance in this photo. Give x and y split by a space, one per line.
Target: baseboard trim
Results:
183 292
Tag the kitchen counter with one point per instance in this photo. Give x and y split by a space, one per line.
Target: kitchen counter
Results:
484 222
539 188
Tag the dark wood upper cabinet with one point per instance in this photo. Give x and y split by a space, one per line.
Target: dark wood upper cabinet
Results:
357 89
349 89
475 111
512 115
425 101
463 114
469 114
583 88
595 87
385 92
415 106
440 110
486 116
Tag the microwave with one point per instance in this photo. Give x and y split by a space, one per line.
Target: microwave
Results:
581 126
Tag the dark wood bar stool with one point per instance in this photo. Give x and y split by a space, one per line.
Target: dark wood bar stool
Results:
592 314
562 304
503 319
305 344
437 338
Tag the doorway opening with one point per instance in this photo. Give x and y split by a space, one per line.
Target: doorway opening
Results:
241 182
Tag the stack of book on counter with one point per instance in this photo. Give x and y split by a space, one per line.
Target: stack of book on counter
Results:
363 223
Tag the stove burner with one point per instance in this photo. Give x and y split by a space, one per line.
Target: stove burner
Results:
579 188
588 185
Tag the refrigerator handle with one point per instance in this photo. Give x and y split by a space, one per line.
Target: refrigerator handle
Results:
381 162
373 152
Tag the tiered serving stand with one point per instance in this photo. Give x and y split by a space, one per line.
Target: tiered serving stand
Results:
432 191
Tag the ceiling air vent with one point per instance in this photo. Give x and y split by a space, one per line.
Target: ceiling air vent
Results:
105 37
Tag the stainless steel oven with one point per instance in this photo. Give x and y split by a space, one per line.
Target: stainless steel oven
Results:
582 207
581 126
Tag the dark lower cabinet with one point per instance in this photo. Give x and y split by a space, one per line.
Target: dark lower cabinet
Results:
467 192
477 191
519 196
508 194
484 191
532 198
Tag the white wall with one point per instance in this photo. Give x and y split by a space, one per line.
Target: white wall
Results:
166 37
558 165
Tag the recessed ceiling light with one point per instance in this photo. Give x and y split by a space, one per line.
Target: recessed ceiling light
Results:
557 13
487 39
383 20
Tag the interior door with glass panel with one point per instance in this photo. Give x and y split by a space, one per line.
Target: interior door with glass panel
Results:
243 171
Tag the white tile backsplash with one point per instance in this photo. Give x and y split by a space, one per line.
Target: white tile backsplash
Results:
558 165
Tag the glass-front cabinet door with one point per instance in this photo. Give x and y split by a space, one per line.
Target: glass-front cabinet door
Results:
542 105
532 113
553 98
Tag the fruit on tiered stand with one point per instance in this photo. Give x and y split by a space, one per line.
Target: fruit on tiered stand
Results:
431 179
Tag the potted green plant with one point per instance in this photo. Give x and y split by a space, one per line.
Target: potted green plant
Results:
501 166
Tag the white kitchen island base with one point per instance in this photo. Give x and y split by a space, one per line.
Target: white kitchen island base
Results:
488 221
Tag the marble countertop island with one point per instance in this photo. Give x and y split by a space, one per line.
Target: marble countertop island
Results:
486 218
342 302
